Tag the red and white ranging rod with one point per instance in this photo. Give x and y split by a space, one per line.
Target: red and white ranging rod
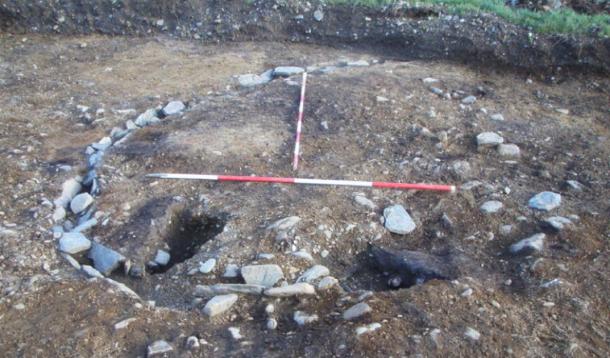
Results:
255 179
297 141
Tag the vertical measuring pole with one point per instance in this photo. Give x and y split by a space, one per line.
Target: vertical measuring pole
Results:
297 143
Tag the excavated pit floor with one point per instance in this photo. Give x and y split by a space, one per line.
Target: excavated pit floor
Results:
361 123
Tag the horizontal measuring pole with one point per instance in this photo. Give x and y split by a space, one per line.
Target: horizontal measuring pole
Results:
255 179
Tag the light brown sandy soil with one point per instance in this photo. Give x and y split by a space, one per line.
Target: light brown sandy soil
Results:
232 130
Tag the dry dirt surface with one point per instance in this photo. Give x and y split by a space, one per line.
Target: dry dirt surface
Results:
386 120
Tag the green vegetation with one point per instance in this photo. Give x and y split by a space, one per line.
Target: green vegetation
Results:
564 21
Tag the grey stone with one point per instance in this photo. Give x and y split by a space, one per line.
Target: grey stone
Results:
70 188
71 261
59 214
74 243
147 118
318 15
117 133
226 288
103 144
192 343
271 324
81 202
123 288
429 80
302 318
505 230
284 224
491 207
461 169
105 260
313 273
497 117
158 348
235 334
397 220
469 100
575 185
509 150
231 270
557 223
251 80
487 139
124 323
472 334
90 271
85 225
287 71
302 255
545 201
327 282
207 266
219 304
534 243
356 311
264 275
368 328
173 107
359 63
361 200
437 91
162 258
296 289
130 125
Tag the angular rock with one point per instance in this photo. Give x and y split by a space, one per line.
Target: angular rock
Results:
86 225
90 271
192 343
362 200
302 318
359 63
509 150
412 267
318 15
557 223
73 243
368 328
575 185
71 261
271 324
235 334
263 275
491 207
469 100
284 224
327 282
219 304
208 266
59 214
105 260
103 144
497 117
81 202
489 139
296 289
226 288
313 273
461 169
534 243
124 323
397 220
545 201
70 188
303 255
162 257
173 107
147 118
158 348
251 80
472 334
356 311
231 270
287 71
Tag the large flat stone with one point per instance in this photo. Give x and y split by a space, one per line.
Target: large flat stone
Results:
263 275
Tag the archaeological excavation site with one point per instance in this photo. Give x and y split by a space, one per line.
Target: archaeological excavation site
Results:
304 179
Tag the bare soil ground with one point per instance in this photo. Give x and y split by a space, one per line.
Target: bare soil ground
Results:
48 308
